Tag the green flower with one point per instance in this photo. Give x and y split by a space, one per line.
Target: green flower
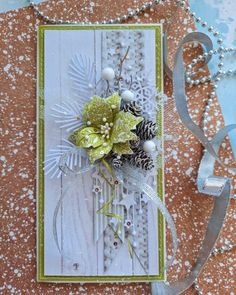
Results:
108 129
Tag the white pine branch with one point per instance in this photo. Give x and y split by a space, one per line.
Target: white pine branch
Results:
82 73
68 115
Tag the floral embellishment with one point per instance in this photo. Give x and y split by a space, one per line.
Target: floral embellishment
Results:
109 123
107 128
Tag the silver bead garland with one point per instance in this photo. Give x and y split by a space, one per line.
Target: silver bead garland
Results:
213 79
130 14
189 73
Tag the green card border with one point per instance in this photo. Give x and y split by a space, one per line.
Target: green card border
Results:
40 159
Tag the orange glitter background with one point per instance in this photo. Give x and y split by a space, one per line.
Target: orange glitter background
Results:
190 210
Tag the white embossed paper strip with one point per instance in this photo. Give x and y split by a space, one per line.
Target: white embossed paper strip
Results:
99 140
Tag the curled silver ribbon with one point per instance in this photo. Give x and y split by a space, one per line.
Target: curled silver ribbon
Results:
216 186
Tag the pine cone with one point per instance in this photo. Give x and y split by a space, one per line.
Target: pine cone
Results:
134 143
146 130
117 163
141 160
133 108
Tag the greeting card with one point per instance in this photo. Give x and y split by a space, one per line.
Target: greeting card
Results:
100 153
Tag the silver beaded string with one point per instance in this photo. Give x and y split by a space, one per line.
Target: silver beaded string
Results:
214 79
130 14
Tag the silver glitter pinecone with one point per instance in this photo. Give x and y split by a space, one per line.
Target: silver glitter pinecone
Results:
134 144
146 130
117 163
133 108
141 160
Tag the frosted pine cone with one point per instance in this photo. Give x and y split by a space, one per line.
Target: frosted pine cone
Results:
146 130
117 163
133 108
134 143
141 160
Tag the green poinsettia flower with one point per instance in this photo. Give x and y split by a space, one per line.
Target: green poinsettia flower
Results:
107 128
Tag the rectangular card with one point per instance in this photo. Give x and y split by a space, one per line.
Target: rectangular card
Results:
94 226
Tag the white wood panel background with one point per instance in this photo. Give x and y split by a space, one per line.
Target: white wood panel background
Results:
75 222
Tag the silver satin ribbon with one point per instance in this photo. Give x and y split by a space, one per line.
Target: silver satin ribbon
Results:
216 186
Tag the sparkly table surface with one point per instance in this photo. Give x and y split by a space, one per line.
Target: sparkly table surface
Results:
190 210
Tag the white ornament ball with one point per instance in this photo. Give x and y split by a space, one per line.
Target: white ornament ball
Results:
149 146
108 74
127 95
